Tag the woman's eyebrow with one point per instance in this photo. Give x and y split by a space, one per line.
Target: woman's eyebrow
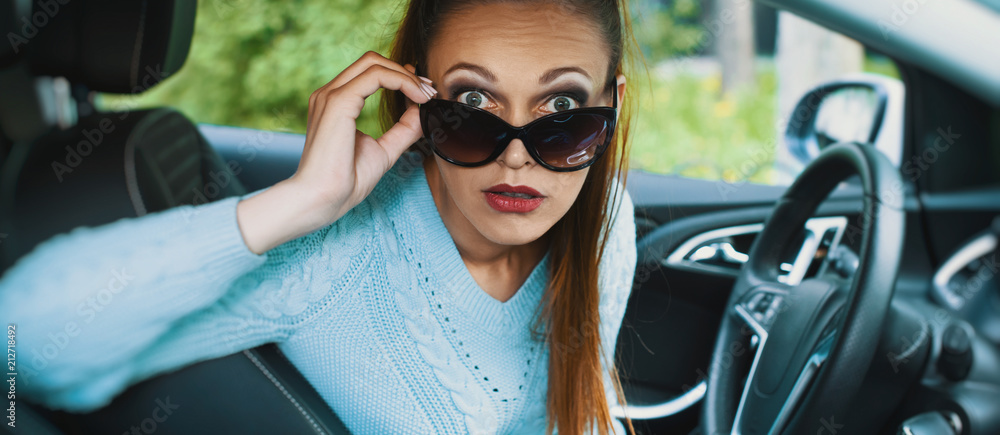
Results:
486 73
554 73
482 71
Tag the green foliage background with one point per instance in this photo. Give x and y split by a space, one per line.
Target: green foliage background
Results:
251 60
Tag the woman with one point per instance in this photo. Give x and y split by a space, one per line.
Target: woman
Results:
478 288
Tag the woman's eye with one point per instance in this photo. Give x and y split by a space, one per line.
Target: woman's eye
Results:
561 103
473 98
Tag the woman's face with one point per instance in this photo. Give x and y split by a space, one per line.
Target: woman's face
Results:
519 62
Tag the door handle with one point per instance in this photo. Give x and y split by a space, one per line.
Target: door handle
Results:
719 252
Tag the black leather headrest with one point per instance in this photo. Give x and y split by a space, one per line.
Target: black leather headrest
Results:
117 46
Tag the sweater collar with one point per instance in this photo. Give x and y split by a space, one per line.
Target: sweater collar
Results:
459 286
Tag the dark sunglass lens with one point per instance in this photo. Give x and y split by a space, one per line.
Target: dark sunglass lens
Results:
460 134
570 141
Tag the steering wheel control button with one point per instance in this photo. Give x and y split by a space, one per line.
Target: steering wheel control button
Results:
754 301
956 353
764 306
772 310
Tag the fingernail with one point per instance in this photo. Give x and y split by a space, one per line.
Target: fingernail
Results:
426 80
429 90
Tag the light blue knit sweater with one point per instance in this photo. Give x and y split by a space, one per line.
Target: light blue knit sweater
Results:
377 311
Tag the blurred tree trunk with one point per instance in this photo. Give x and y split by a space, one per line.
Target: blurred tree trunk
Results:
733 26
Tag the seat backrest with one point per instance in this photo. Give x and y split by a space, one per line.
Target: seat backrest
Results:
108 165
112 165
257 391
139 162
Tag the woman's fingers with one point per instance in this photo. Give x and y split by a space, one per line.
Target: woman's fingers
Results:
364 63
361 87
410 103
340 162
404 133
336 111
367 61
374 78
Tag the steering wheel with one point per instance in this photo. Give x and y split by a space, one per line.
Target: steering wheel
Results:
816 339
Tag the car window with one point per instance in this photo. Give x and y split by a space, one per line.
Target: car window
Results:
723 76
724 88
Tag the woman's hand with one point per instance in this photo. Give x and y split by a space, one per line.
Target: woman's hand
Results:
340 165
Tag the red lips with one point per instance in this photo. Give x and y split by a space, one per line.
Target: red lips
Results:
506 188
511 204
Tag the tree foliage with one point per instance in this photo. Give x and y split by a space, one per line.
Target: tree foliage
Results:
666 30
254 63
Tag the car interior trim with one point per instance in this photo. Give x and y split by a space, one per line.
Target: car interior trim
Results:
689 253
661 410
762 336
975 249
802 383
267 373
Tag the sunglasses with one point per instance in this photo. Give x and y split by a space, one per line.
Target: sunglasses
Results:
564 141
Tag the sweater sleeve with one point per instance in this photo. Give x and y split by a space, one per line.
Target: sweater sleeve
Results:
100 308
616 273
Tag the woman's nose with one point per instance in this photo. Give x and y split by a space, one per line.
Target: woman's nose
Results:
515 155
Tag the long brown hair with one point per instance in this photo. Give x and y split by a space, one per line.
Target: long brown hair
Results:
569 316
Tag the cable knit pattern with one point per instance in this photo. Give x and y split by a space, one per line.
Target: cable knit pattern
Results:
377 311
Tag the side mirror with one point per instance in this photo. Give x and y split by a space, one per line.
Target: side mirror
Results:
864 108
